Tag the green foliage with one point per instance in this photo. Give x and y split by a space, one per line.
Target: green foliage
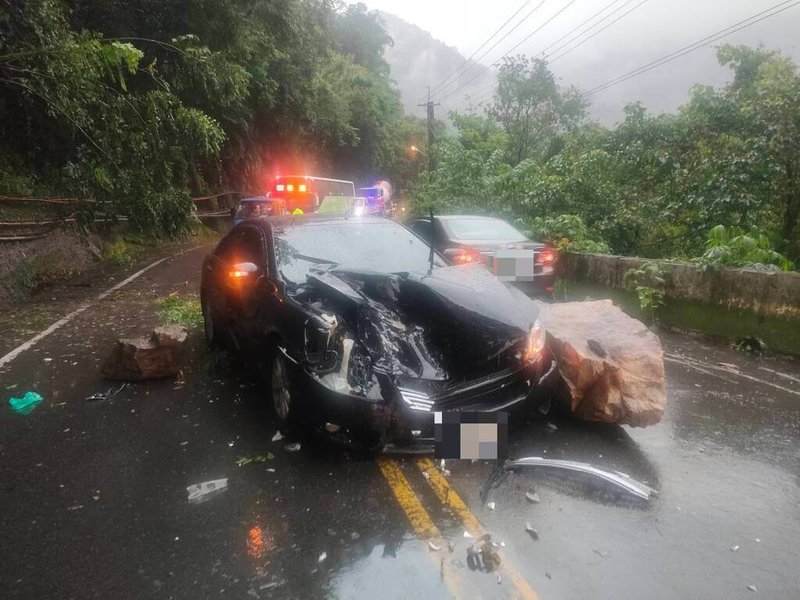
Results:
649 283
731 247
181 311
651 186
566 232
138 105
119 252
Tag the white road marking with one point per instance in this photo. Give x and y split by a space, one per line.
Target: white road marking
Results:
676 358
63 321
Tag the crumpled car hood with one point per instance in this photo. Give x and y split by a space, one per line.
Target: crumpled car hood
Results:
453 323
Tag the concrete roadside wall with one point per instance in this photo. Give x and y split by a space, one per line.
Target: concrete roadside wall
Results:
723 302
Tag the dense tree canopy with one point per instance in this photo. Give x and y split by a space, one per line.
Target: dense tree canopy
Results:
138 103
654 185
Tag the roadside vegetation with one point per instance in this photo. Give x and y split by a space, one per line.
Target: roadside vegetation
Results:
717 182
181 311
136 106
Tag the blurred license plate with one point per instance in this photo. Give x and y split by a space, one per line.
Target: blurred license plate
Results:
514 265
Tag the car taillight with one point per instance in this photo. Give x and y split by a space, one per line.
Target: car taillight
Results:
464 256
546 256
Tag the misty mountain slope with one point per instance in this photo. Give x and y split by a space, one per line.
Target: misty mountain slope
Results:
417 60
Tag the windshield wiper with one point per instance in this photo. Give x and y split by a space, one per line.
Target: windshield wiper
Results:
313 259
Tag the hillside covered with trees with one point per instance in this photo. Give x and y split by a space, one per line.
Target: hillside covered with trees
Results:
138 104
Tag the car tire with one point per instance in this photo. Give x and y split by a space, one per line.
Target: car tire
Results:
281 390
209 324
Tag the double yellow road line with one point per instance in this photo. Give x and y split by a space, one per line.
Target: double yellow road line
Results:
426 529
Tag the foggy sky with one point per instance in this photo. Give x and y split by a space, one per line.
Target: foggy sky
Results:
651 31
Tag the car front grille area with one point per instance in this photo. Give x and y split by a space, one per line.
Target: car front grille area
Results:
487 394
419 401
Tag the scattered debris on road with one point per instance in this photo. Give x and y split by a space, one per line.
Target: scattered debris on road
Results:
156 357
533 532
434 547
258 458
277 437
491 505
621 480
108 394
322 557
734 548
292 447
468 535
532 496
26 404
752 588
200 492
483 555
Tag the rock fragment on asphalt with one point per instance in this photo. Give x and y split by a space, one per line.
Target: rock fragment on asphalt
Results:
531 531
752 588
533 497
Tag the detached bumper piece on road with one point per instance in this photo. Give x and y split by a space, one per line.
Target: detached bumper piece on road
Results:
621 480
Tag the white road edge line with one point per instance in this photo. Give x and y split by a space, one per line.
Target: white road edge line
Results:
676 358
63 321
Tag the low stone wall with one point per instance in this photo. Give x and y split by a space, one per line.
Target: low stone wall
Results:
728 303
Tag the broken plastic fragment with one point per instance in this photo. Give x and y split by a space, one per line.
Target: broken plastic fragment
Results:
108 394
26 404
434 547
259 458
533 533
322 557
468 535
490 505
619 479
533 497
200 492
293 447
752 588
277 437
734 548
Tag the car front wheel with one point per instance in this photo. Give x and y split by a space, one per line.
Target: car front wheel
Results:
280 389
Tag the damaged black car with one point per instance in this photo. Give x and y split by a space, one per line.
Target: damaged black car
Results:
362 331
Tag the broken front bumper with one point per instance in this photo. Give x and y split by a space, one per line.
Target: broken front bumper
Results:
405 417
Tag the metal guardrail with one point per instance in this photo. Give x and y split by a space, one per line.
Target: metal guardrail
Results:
54 223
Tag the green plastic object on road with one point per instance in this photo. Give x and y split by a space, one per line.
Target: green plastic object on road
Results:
26 404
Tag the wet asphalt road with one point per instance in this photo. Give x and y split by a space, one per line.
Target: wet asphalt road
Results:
93 499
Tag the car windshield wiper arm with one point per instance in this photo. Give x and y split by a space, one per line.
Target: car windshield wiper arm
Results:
314 259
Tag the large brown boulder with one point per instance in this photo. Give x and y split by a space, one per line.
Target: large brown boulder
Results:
156 357
612 366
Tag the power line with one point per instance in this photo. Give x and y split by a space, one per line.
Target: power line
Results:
466 60
489 90
509 32
583 41
722 33
512 49
574 29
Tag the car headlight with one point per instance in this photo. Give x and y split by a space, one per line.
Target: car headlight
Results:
537 340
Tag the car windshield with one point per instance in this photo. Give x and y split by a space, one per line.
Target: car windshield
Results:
364 246
482 229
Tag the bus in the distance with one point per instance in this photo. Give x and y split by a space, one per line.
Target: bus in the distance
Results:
306 193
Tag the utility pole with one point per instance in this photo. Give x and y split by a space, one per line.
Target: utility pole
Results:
431 134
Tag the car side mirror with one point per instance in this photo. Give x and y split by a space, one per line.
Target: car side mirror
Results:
243 271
